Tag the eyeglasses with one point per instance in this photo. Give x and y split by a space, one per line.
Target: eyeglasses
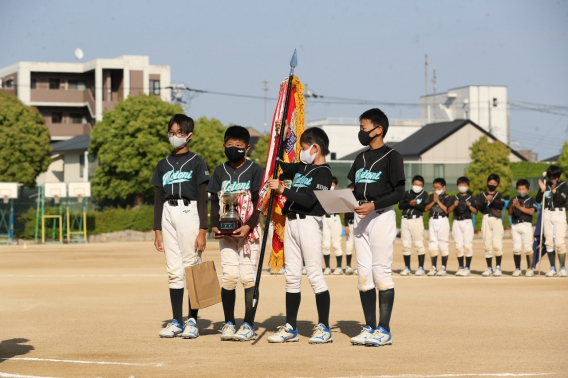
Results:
180 134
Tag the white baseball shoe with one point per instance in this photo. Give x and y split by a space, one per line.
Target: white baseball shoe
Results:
517 273
360 339
172 330
487 273
282 271
563 272
551 272
190 330
228 331
529 273
356 272
285 334
327 271
406 272
432 271
304 271
321 335
338 271
459 273
442 272
419 271
245 333
466 272
497 272
379 338
349 271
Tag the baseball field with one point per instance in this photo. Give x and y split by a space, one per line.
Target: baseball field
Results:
95 310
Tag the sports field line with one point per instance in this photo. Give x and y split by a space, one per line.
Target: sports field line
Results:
77 361
452 375
12 375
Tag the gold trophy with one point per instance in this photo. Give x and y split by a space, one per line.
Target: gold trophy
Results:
230 220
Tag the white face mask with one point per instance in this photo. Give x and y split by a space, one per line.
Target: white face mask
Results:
463 189
416 188
305 156
522 193
178 142
332 188
439 192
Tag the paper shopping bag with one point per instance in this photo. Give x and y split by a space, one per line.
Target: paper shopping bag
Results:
202 285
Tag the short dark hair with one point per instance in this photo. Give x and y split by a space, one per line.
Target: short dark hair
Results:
238 133
524 182
334 180
463 180
185 123
315 135
495 177
418 178
553 171
440 181
377 118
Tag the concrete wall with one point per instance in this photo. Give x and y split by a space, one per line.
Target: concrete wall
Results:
136 82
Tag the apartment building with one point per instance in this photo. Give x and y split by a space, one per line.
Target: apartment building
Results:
73 96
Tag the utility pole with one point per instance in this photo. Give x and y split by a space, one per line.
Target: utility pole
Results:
426 88
265 104
489 115
306 96
434 94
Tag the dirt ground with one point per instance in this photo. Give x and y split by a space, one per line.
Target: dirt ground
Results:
95 310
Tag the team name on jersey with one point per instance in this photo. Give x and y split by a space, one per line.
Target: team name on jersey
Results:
301 181
173 177
321 187
365 176
229 186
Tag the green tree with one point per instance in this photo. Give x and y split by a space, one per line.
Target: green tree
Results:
258 155
488 158
563 161
24 142
207 141
129 142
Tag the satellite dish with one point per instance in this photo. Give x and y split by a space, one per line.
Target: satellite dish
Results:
78 53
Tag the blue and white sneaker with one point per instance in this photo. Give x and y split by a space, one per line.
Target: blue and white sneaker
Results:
563 272
442 272
406 271
497 272
379 338
190 330
285 334
321 335
551 272
466 272
172 330
360 339
419 271
487 273
245 333
228 331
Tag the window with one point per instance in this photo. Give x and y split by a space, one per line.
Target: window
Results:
33 84
81 164
53 83
155 87
77 85
9 83
439 170
334 156
78 118
56 117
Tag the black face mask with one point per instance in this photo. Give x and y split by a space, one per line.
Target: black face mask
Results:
491 187
550 182
365 137
235 154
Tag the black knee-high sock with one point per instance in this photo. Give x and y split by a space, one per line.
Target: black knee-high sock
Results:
386 301
292 306
421 261
348 259
498 261
228 298
407 261
552 258
250 311
561 259
530 260
339 260
517 261
434 261
176 297
468 261
462 261
369 303
192 312
322 304
326 260
489 261
445 261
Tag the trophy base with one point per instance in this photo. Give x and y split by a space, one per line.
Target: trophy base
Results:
227 227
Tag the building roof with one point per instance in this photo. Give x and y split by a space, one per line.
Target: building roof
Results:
254 132
553 158
78 143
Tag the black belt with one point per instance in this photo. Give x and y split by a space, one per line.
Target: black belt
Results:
438 215
412 216
293 216
462 218
556 208
517 221
330 215
174 201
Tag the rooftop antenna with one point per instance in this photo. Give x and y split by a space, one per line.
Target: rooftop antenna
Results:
78 54
434 94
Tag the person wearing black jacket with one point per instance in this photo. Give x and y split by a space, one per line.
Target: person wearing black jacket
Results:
521 209
412 224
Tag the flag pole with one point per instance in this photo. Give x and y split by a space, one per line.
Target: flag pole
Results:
280 149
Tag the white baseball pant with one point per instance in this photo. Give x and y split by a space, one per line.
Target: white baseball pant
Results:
439 235
492 233
522 234
412 230
462 231
349 240
302 242
374 243
180 227
236 264
332 235
555 231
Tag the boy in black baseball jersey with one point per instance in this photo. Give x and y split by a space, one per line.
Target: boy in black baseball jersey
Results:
378 175
521 209
412 224
438 226
239 253
463 205
555 192
180 218
490 203
303 234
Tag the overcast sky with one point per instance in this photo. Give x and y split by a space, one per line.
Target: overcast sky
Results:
354 49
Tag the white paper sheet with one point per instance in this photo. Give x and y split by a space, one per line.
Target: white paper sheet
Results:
337 201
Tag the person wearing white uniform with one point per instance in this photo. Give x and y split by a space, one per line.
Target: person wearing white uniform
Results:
522 209
180 218
332 228
438 227
349 219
